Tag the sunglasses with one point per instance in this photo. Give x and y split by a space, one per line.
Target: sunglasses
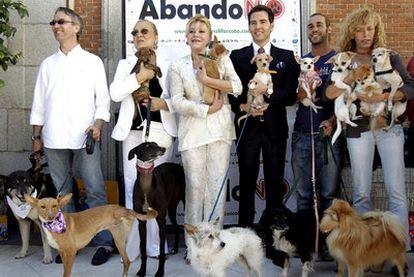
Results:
142 32
59 22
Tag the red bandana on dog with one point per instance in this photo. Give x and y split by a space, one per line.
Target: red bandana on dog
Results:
145 167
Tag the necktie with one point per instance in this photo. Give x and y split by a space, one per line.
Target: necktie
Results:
261 50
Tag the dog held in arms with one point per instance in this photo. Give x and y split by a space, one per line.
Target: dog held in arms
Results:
211 63
293 234
358 242
69 232
343 107
212 250
37 184
161 188
309 80
387 77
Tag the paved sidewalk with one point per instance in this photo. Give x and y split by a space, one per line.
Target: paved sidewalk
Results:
175 266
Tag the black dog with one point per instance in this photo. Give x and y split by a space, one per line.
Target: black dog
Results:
162 189
293 234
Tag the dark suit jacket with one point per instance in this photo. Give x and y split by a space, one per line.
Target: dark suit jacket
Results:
285 83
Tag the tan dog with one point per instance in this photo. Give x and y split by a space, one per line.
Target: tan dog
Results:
366 85
69 232
361 241
211 64
148 58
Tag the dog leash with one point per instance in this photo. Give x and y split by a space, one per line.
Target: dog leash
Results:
228 168
147 129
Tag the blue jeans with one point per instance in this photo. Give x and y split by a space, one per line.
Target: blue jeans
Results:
391 150
327 169
61 162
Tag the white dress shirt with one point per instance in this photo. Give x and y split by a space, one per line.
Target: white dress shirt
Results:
71 93
266 47
196 127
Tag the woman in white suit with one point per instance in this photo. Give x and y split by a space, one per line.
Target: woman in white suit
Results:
205 133
129 129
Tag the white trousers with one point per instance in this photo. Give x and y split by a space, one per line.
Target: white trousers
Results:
205 168
130 175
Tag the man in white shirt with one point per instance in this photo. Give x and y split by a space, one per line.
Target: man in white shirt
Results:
71 99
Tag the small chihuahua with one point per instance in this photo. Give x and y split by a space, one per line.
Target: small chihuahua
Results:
309 80
69 232
387 77
212 250
343 103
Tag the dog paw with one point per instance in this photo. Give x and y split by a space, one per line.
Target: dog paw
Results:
47 260
20 255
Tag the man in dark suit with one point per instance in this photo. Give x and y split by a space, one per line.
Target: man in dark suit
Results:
266 131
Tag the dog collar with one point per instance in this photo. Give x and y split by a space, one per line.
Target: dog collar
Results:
384 72
23 209
57 225
145 167
267 71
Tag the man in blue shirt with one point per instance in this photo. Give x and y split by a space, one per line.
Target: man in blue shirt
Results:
327 157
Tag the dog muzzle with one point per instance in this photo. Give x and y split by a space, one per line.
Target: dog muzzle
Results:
145 167
57 225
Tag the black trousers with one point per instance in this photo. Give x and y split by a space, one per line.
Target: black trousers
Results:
253 141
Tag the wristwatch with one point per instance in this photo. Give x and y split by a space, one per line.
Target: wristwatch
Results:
33 137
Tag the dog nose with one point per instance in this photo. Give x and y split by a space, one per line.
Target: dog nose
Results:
222 244
374 60
339 69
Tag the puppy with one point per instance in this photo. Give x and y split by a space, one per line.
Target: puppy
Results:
309 80
388 78
69 232
343 106
147 57
18 184
358 242
212 250
294 234
211 64
366 85
262 75
161 188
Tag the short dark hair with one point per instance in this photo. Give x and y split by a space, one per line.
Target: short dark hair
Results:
262 8
327 21
76 18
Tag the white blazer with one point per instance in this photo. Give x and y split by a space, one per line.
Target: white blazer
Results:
121 89
196 127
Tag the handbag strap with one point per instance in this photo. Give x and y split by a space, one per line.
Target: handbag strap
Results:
147 129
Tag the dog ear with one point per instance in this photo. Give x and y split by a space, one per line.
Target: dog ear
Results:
159 73
298 59
62 201
270 58
132 152
32 201
253 59
216 222
215 40
315 59
191 229
331 60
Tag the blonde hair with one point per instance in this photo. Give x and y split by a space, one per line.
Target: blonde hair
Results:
198 18
361 16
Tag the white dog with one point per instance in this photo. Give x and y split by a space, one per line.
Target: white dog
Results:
388 78
309 80
343 103
212 250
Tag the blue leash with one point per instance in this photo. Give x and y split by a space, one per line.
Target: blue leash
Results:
228 168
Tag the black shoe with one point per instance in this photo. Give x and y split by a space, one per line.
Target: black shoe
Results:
101 256
58 259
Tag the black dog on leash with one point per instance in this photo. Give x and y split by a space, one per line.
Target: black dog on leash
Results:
161 188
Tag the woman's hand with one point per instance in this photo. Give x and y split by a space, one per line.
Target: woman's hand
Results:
156 104
201 74
144 74
375 98
217 103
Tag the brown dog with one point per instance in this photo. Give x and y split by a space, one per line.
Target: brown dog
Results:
361 241
69 232
148 58
211 61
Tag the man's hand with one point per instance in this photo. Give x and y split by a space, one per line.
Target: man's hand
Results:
37 147
144 74
156 104
327 127
259 89
96 132
258 112
217 103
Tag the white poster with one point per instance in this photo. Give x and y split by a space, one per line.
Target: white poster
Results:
229 23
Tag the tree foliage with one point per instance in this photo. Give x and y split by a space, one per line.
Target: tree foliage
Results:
8 31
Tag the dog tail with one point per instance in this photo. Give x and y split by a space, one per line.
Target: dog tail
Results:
391 224
337 131
144 217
